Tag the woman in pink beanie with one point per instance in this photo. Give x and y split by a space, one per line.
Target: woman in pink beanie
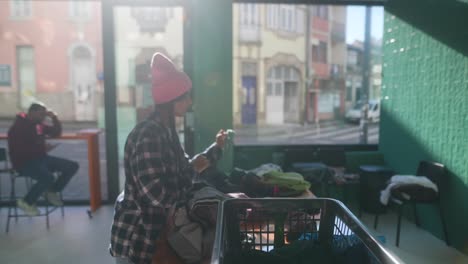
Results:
157 170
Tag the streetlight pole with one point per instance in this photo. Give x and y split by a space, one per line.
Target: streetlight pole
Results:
366 77
307 66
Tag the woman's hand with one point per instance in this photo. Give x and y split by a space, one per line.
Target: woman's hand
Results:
221 138
200 163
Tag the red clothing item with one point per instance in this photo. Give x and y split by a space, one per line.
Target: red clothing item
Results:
26 139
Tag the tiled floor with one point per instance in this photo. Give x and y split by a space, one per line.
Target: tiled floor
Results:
72 240
416 245
78 239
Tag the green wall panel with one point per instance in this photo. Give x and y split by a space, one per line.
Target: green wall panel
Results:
211 71
425 104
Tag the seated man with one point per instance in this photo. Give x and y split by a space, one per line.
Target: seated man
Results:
28 152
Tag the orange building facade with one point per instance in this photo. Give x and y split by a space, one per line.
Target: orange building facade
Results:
51 52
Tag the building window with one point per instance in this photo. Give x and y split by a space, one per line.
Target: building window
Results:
249 14
5 75
249 19
320 11
21 8
80 9
319 53
352 58
152 19
276 78
286 18
349 93
26 73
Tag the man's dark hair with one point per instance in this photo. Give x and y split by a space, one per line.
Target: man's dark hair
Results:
36 107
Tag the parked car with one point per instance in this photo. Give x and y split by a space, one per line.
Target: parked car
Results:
354 114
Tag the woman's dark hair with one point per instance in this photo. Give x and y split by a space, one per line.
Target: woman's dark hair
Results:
166 112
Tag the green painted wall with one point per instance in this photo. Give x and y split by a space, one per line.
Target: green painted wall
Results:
210 66
425 102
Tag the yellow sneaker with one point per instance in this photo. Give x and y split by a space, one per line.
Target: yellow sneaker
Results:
28 209
53 198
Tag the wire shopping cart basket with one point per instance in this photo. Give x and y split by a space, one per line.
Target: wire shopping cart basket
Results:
290 230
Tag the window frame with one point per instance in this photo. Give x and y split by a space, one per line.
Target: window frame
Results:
19 67
14 8
6 75
320 52
251 16
79 10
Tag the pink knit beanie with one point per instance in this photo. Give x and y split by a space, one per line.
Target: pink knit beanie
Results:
168 82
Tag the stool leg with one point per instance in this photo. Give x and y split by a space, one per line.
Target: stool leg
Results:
376 221
63 206
444 226
47 214
16 212
8 220
398 225
416 218
12 200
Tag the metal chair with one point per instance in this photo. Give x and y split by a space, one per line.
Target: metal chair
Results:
5 168
436 173
13 208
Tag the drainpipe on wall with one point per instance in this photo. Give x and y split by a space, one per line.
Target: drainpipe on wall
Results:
365 77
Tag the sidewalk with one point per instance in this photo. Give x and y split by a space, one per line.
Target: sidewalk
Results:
275 130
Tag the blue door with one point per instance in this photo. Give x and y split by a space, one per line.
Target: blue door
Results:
249 100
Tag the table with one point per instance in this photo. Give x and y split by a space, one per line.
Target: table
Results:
91 136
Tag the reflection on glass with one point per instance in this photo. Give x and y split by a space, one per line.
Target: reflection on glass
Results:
308 72
139 33
51 51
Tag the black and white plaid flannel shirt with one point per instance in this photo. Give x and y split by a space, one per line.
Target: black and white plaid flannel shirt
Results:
157 175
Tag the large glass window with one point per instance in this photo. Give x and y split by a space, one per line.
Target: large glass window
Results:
307 87
50 58
140 31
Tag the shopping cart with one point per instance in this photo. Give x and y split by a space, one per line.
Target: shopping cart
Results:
259 227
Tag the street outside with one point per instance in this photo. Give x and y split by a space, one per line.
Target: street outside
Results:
331 132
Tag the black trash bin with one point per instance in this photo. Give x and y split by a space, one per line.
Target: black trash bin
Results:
373 179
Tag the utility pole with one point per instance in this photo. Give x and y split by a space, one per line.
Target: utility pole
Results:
366 77
307 64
